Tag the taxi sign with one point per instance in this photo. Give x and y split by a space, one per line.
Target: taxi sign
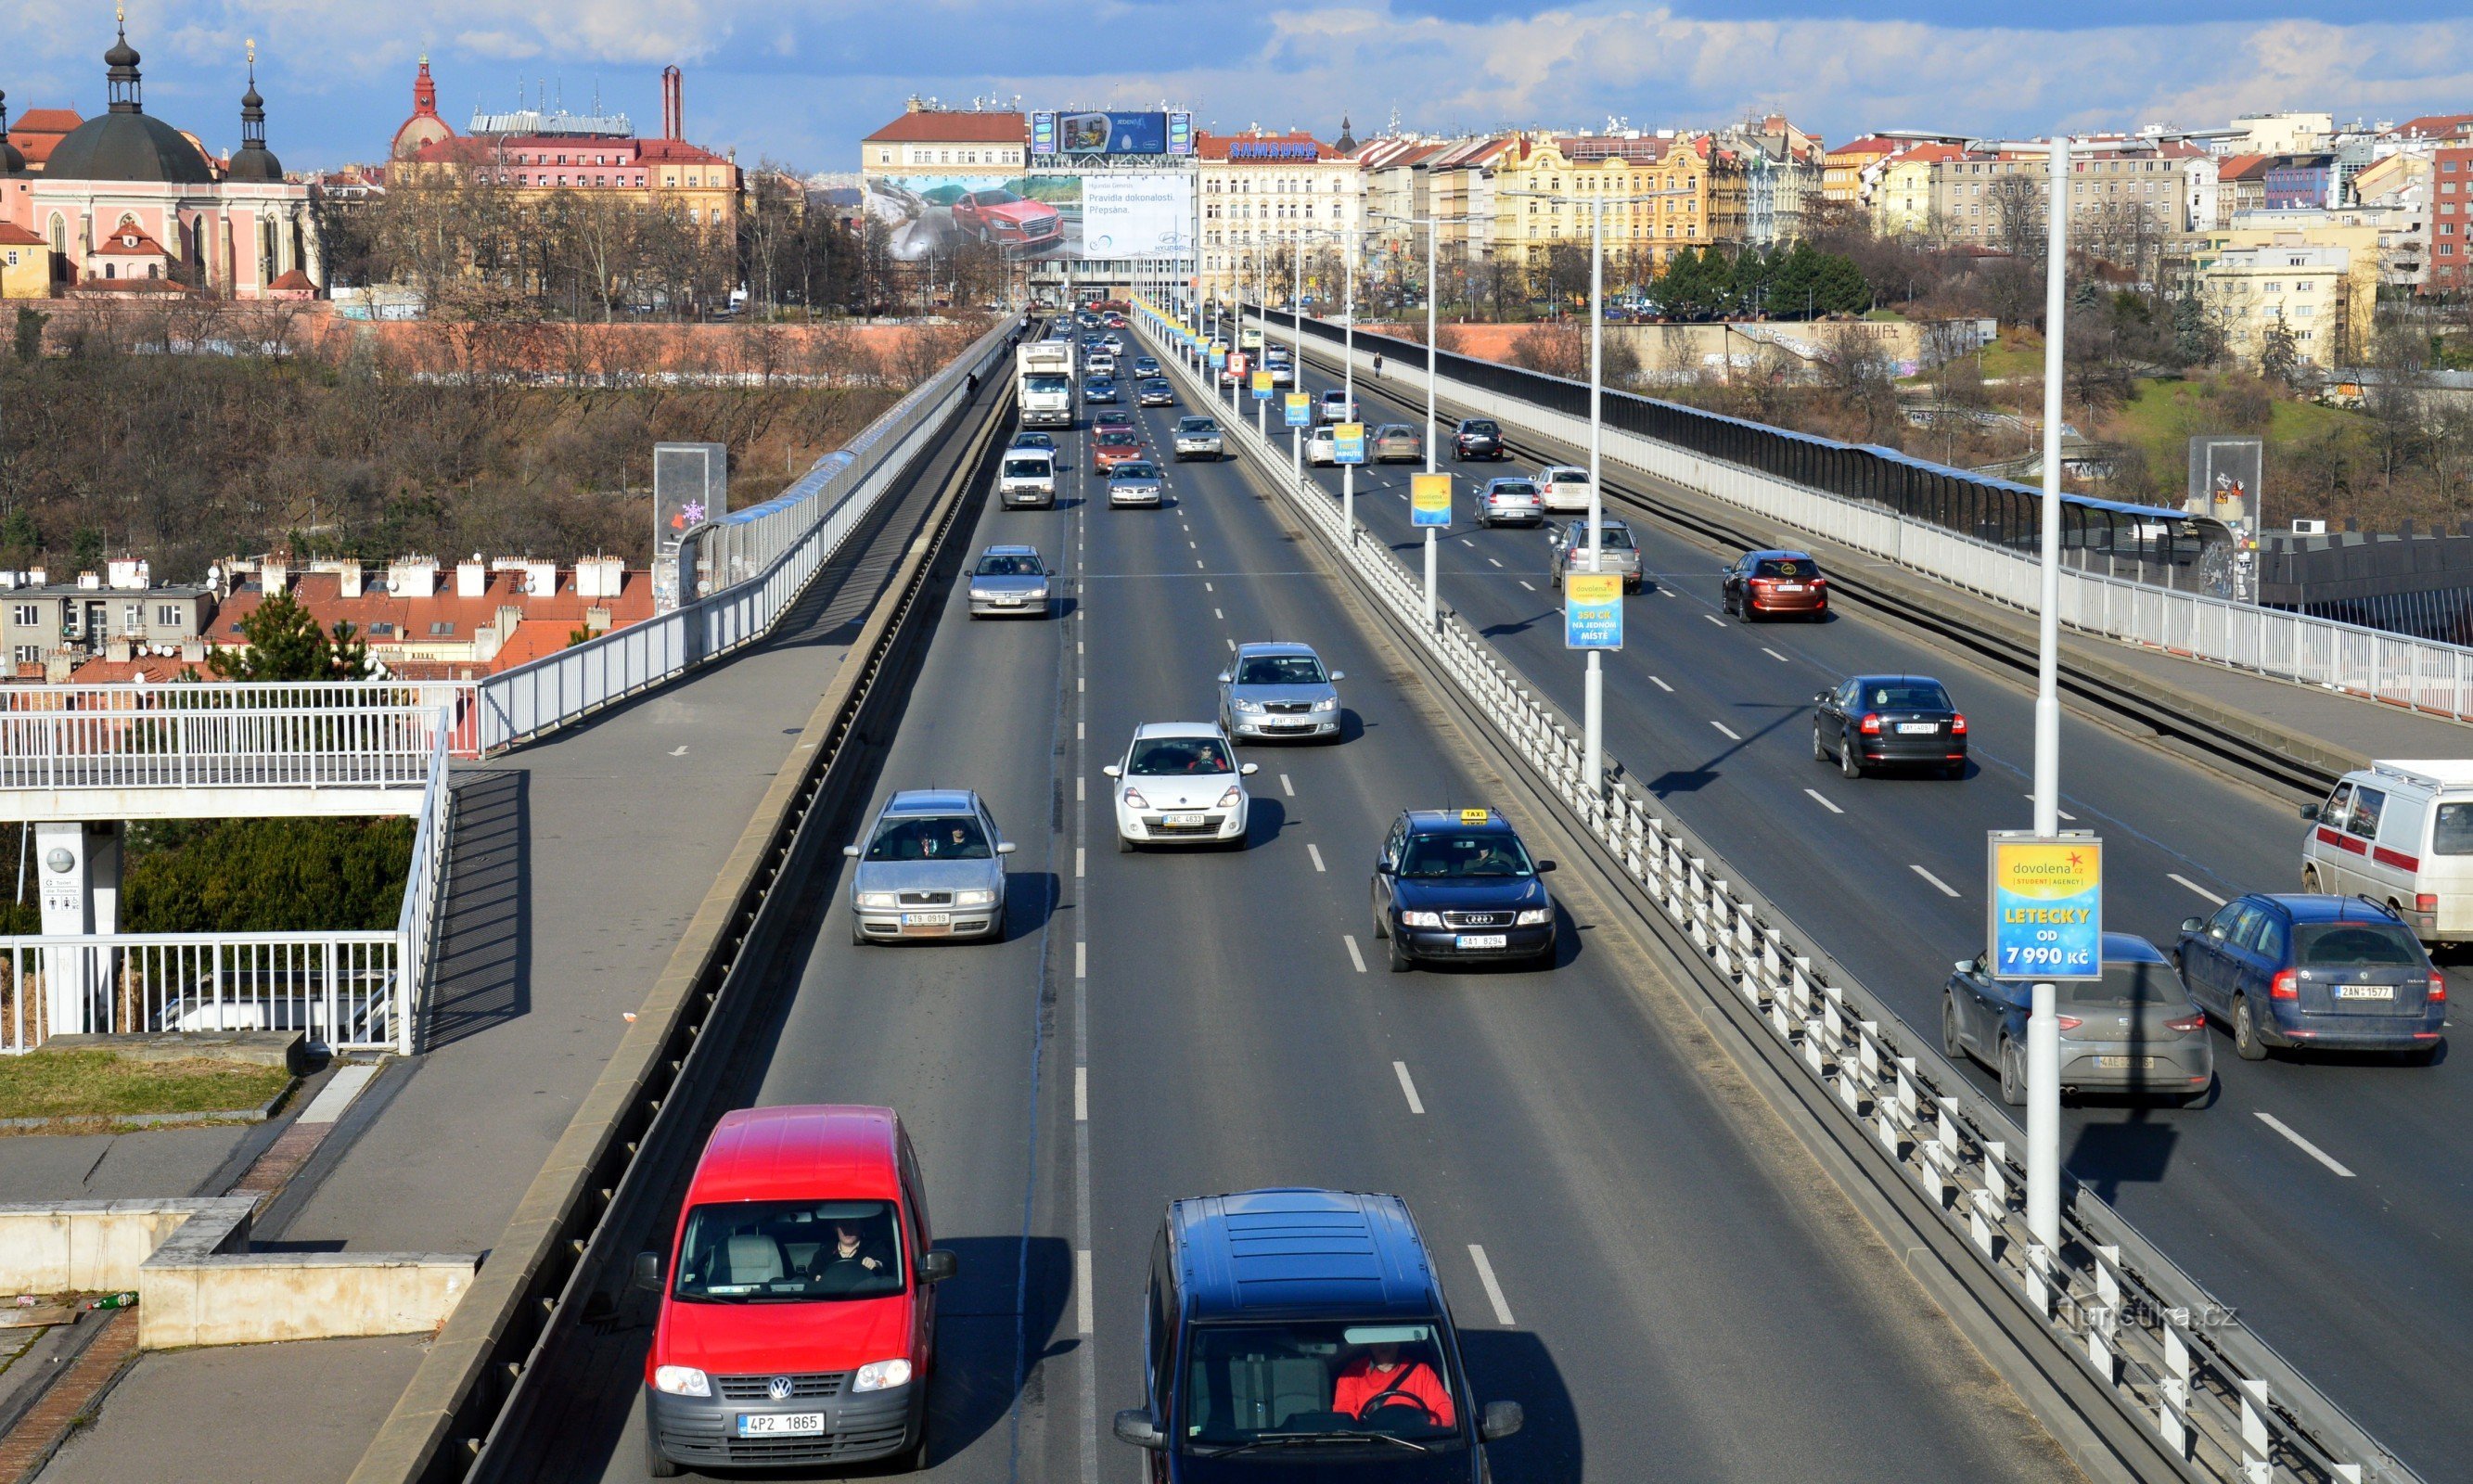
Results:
1300 409
1348 443
1476 816
2046 906
1593 610
1262 386
1429 499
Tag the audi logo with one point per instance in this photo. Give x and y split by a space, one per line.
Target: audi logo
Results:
781 1387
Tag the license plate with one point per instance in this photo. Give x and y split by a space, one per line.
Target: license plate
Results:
1789 586
2123 1063
2365 992
1917 729
778 1424
926 919
1483 939
1183 821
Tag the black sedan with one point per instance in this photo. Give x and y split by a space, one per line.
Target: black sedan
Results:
1457 884
1099 389
1477 437
1155 393
1888 720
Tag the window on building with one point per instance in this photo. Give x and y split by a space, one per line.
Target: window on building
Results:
442 626
167 615
25 615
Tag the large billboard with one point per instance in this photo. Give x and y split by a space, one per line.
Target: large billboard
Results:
1100 215
1099 132
1146 214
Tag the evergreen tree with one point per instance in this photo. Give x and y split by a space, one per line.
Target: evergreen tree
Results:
1840 287
286 644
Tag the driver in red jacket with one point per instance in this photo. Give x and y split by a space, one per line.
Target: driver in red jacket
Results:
1383 1378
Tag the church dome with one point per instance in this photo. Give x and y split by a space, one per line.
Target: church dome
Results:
128 147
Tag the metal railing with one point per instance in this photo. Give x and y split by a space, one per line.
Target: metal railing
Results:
2211 1394
348 991
229 735
757 560
424 889
2097 597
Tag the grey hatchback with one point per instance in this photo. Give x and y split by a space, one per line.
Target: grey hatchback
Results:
2134 1030
930 868
1277 689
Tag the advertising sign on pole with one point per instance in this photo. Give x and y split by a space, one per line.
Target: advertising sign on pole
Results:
2223 481
1429 499
1300 410
1348 443
2046 906
1218 355
1262 386
1593 610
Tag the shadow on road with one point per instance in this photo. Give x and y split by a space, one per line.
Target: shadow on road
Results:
1513 1365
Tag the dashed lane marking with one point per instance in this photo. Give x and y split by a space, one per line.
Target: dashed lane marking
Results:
1408 1085
1313 850
2303 1144
1946 890
1493 1289
1774 655
1822 800
1354 957
1731 734
2175 876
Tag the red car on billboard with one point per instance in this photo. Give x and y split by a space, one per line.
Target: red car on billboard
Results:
1008 220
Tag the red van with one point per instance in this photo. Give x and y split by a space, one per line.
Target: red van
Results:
798 1318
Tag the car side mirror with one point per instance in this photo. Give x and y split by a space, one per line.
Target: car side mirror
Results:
850 850
648 1272
1134 1425
1006 847
2310 811
1113 771
1248 769
938 1265
2193 924
1223 677
1544 866
1500 1420
1964 965
1384 868
1337 676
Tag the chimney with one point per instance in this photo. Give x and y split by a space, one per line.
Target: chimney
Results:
347 577
116 650
126 574
597 618
274 572
509 616
541 579
413 577
471 580
673 105
599 577
89 581
193 651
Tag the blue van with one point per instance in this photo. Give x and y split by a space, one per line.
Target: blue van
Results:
1303 1334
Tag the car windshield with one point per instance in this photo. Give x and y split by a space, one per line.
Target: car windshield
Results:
1316 1385
1137 469
1438 857
929 837
998 198
2128 982
1787 566
1164 757
783 1252
1196 425
1047 381
1279 670
1029 468
1907 696
2354 945
1008 567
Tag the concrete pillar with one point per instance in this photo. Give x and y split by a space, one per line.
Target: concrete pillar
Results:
78 864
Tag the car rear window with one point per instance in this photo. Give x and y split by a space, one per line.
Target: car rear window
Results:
2134 982
1909 695
2453 834
1166 758
2355 945
769 1252
1484 425
932 837
1610 538
1519 486
1785 567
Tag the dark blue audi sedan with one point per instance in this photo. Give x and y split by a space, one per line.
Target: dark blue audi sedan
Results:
1457 884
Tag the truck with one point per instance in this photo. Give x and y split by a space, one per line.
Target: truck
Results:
1043 383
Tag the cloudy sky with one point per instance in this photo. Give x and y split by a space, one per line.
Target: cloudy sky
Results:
801 79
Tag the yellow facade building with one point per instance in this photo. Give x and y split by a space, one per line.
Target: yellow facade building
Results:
1543 185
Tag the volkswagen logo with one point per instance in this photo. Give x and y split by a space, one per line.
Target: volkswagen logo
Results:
780 1388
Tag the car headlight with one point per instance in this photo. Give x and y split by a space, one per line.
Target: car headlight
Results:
881 1375
878 899
1232 798
1421 920
1243 704
1534 916
1326 703
1134 799
981 595
977 899
682 1381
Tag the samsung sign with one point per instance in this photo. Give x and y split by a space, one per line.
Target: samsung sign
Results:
1307 151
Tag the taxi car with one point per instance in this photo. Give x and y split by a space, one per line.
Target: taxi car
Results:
1457 884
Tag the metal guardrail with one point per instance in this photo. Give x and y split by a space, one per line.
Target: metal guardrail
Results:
228 734
2214 1396
349 990
761 558
424 887
2398 669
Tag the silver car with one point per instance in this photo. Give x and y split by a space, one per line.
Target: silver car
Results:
932 867
1009 580
2136 1030
1197 438
1135 482
1508 502
1616 551
1279 689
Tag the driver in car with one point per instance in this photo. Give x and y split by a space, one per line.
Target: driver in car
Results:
1382 1378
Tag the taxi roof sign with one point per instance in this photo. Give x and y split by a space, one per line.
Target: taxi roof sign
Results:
1474 816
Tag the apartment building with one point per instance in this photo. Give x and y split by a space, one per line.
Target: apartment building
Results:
1265 199
2451 220
2305 291
1658 186
1459 190
48 627
1850 172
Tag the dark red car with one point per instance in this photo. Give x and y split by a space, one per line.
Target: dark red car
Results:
1007 220
1110 449
1765 584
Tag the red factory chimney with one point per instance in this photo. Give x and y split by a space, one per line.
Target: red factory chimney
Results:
673 105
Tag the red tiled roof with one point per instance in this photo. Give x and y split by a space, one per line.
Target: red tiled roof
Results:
1210 146
1933 153
409 620
953 126
16 236
1869 144
153 668
2243 167
37 130
2436 125
294 281
128 241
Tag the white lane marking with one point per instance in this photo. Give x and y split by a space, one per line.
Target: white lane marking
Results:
1082 1290
1077 646
1081 960
1661 685
1354 957
1232 645
680 750
1315 852
1715 619
2175 876
1493 1289
1525 583
1078 730
1215 613
1822 800
1408 1085
1078 863
1206 586
1081 1094
1079 795
1287 787
1946 890
2071 818
1189 546
1497 563
1197 564
1774 655
1465 542
1079 684
1728 731
2303 1144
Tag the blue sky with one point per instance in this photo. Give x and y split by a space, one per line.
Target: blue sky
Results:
800 80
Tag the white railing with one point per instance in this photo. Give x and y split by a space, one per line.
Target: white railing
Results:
757 562
347 992
424 889
2374 664
2212 1394
226 734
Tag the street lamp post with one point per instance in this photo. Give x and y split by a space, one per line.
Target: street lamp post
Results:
2043 1025
1433 226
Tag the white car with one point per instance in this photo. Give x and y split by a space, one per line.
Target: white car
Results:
1565 490
1322 445
1335 406
1180 783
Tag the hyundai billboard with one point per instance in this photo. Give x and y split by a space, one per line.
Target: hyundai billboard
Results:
1101 132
